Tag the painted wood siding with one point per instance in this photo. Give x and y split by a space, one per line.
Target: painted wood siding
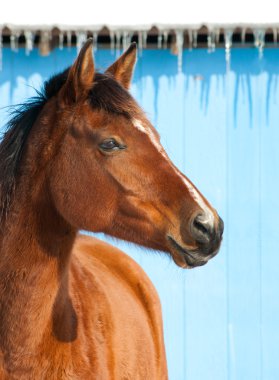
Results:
220 127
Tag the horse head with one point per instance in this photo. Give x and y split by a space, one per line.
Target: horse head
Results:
112 175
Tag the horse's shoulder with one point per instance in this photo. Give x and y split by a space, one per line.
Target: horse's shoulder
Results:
117 299
115 262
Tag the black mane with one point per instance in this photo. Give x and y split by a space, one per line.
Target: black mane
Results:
106 94
23 116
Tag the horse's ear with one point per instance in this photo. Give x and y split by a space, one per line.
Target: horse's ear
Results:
81 75
122 69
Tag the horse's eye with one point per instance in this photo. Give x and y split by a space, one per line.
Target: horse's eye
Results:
110 145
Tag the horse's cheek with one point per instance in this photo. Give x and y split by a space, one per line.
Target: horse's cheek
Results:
80 197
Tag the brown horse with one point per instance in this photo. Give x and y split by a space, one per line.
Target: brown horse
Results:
82 155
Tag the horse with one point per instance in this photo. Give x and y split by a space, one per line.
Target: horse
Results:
82 155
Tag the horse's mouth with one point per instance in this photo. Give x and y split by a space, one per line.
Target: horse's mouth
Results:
185 258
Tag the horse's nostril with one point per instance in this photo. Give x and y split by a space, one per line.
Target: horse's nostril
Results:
202 228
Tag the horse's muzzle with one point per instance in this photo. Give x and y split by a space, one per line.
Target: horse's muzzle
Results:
208 240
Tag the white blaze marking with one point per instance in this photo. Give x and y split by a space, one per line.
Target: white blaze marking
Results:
193 192
138 124
199 200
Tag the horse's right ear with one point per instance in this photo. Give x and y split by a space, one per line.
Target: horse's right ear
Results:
80 77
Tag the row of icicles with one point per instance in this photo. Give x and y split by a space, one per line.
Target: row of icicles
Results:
122 39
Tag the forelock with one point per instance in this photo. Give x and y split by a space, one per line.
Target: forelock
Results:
107 94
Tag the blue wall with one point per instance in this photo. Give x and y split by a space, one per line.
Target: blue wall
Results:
222 129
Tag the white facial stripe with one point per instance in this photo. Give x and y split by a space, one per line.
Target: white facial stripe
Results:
148 131
198 199
193 192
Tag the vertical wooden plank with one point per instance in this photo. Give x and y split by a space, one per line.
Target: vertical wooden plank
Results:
243 217
205 164
269 214
162 98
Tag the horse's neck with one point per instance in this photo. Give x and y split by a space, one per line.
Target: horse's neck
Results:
35 252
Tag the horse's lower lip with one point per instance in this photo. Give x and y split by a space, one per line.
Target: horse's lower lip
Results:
189 259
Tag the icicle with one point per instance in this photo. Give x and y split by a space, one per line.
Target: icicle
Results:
195 38
17 35
179 45
118 41
44 46
69 39
275 35
13 41
129 38
217 36
112 41
144 39
81 38
29 38
140 42
126 39
211 41
95 40
124 42
243 35
1 51
259 35
166 34
213 45
159 40
228 45
190 36
61 40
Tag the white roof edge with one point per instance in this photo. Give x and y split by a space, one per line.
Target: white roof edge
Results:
138 27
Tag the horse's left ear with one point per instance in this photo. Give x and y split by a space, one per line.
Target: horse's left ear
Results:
81 75
122 69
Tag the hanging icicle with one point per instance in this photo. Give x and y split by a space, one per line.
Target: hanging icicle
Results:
259 36
29 39
159 40
275 35
165 34
179 45
69 39
140 42
126 39
243 35
211 41
14 41
81 38
228 45
95 40
144 39
190 39
195 38
217 36
61 40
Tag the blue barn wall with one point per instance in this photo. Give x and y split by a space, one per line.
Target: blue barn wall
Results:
221 128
